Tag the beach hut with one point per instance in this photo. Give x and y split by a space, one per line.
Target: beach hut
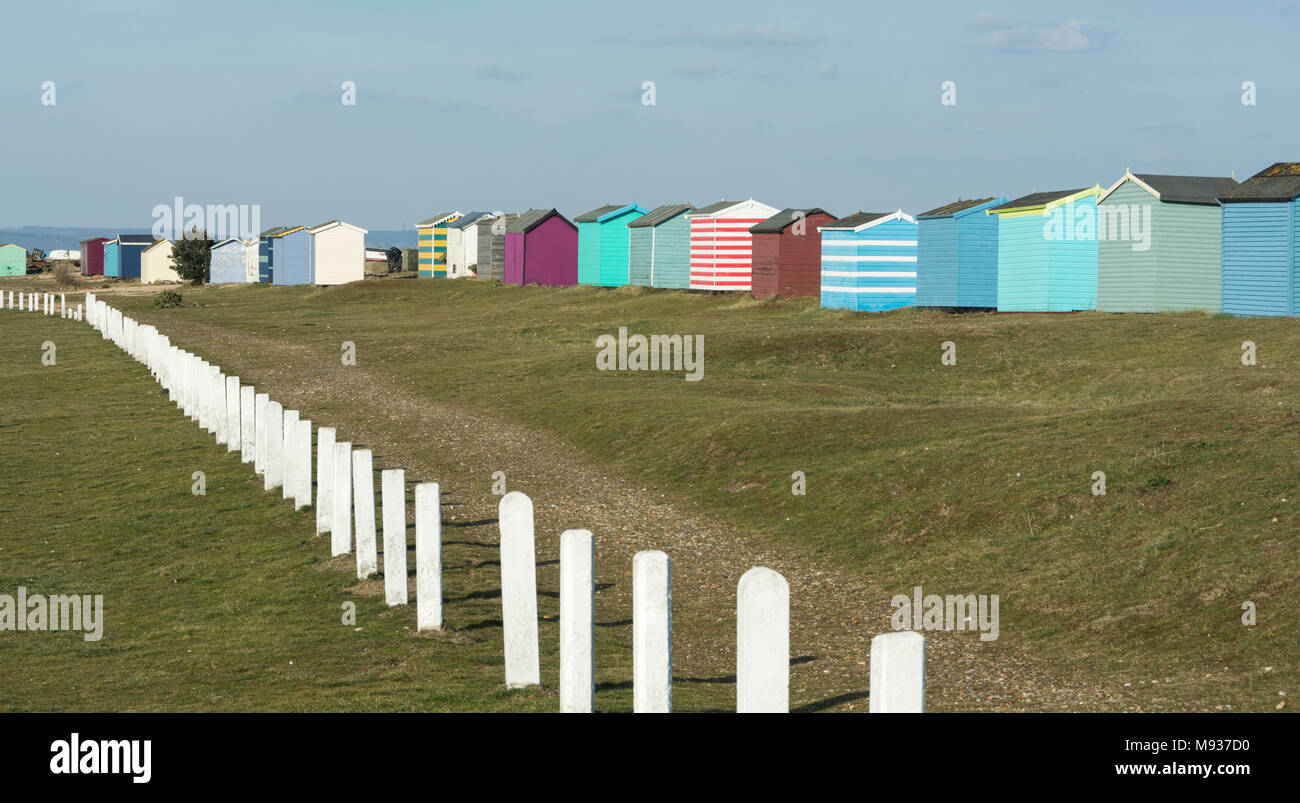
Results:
156 263
432 239
266 253
603 244
122 255
541 247
720 243
92 256
659 248
787 253
1158 243
462 244
868 262
491 238
234 261
292 256
957 255
1261 223
13 260
1047 251
338 253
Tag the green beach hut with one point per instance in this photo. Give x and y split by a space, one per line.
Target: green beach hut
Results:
603 244
13 260
659 248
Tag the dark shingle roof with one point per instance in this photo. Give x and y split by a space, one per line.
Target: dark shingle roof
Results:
777 223
660 214
714 207
1188 189
1036 199
856 219
1277 182
954 207
595 214
533 218
135 239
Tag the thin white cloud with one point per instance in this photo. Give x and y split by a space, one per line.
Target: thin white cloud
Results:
1072 36
744 36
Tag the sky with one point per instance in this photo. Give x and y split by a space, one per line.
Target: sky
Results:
508 105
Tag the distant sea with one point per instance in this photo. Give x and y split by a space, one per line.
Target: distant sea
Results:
51 238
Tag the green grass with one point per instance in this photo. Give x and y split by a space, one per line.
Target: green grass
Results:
971 478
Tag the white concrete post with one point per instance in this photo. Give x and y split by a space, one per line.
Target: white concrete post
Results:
233 432
341 519
274 446
363 496
288 455
519 590
63 304
324 478
652 633
260 402
247 424
897 673
428 556
577 622
394 491
762 643
302 450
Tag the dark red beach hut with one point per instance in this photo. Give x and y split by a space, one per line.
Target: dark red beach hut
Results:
92 256
787 253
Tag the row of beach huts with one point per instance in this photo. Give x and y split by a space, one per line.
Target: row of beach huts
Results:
1149 243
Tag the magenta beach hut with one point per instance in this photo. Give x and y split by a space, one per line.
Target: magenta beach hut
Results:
542 247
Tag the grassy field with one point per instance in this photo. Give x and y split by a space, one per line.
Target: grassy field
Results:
971 478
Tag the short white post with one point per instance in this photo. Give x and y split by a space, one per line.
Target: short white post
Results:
897 673
341 519
363 496
288 455
652 633
577 622
428 556
762 643
324 478
274 446
302 451
260 402
394 491
233 437
247 423
519 590
63 304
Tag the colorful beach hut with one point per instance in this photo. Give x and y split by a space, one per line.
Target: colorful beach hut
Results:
432 240
868 262
1047 251
292 263
1261 225
266 253
603 244
462 244
92 256
156 263
787 253
13 260
721 258
957 255
659 248
1158 243
541 247
122 255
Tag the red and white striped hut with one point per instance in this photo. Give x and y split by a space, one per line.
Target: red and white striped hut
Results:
721 256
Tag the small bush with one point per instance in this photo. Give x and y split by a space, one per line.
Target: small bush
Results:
167 299
65 274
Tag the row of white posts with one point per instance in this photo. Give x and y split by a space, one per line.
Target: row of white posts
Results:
278 443
49 303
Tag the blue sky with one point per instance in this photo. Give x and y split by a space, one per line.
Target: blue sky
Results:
514 105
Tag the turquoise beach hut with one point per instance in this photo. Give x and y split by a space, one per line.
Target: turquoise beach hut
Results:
659 248
1047 251
957 255
603 244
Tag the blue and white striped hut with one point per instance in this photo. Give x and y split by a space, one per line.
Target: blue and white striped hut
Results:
869 262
